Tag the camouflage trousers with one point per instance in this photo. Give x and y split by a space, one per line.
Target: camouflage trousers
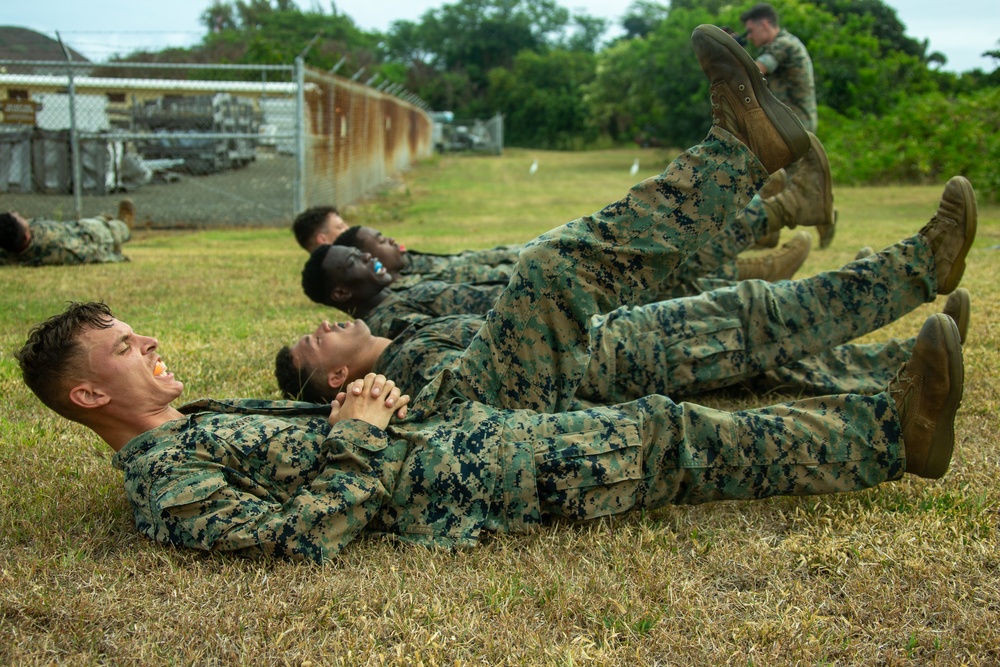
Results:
534 350
716 259
733 334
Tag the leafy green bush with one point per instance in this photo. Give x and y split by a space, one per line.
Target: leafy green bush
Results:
925 139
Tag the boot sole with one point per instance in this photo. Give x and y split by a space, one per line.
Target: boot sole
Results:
971 222
782 118
943 442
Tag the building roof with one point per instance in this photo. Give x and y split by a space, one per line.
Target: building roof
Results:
24 44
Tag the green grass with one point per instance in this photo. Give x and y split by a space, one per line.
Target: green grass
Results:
905 574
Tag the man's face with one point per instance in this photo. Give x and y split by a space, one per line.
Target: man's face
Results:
356 271
331 346
332 227
760 32
383 248
127 368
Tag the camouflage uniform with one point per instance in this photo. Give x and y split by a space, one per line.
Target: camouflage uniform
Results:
271 477
431 299
707 268
457 274
790 76
722 337
430 263
87 241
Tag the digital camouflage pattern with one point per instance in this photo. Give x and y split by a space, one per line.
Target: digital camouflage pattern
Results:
846 369
485 446
790 76
413 300
457 274
430 299
713 261
733 334
86 241
764 335
429 263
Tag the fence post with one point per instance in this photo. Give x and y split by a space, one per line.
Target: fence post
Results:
300 135
74 139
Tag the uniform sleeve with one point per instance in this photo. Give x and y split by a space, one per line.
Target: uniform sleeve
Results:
493 256
769 62
201 505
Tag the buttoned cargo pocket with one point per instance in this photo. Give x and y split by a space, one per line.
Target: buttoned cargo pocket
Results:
591 469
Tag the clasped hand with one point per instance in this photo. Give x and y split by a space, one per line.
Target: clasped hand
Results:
373 399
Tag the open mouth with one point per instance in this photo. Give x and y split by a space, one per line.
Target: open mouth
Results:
379 269
159 369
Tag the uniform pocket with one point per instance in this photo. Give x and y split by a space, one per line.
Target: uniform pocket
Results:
587 465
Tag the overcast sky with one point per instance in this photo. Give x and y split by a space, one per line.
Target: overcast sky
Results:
960 29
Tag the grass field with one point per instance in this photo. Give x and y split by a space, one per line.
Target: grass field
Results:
904 574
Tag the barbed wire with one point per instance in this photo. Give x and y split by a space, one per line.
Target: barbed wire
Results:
100 45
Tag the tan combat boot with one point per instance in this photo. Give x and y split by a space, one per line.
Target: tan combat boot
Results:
951 232
769 240
808 199
774 185
959 308
741 103
928 390
126 212
778 264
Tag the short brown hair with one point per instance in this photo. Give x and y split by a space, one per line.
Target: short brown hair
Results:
308 222
52 356
762 11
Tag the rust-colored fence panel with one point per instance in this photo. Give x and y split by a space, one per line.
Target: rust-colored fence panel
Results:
356 138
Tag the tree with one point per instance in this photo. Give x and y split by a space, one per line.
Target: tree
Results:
585 34
272 32
617 104
466 40
541 100
642 17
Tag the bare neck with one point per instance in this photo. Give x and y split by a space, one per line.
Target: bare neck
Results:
365 364
117 430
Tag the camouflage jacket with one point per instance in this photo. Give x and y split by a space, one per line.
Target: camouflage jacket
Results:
431 299
425 262
86 241
273 478
469 273
790 76
423 349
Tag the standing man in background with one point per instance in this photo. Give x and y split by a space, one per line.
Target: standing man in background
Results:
784 61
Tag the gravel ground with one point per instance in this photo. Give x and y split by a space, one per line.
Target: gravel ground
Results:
260 193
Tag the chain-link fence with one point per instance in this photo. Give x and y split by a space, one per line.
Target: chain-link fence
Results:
196 145
357 136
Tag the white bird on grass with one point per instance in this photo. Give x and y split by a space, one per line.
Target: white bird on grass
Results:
635 168
533 168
